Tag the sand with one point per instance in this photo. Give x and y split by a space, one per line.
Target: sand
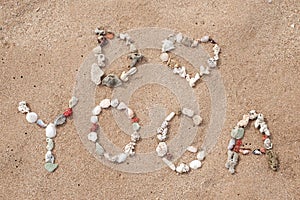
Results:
43 44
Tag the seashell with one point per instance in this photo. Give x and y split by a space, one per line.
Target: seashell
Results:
99 31
114 103
94 119
51 167
130 114
31 117
268 144
193 81
97 110
132 71
50 144
122 106
187 42
182 168
162 149
204 39
49 157
167 46
244 122
212 63
231 144
41 123
194 44
267 132
164 57
244 151
169 164
101 60
182 72
257 152
92 136
123 36
96 74
263 126
164 124
252 114
135 58
170 116
188 112
111 81
73 102
99 149
129 148
105 103
179 37
216 49
60 120
172 38
259 120
237 133
124 76
23 107
165 131
121 158
135 136
111 159
132 48
192 149
136 126
195 164
161 137
97 50
203 70
197 120
201 155
187 77
50 131
159 130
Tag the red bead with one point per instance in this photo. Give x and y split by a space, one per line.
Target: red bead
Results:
264 137
68 112
94 127
238 143
236 149
135 120
263 150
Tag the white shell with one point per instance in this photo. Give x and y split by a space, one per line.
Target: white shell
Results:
96 74
216 49
244 122
188 112
182 168
97 50
121 157
212 63
268 144
252 114
179 37
96 110
94 119
161 137
124 76
132 71
164 57
204 39
23 107
50 144
114 103
193 81
73 102
231 144
170 116
31 117
99 149
101 60
195 164
41 123
192 149
161 149
194 44
92 136
201 155
169 164
130 114
135 136
122 106
129 148
164 125
105 103
132 48
49 157
197 120
50 130
123 36
167 46
203 70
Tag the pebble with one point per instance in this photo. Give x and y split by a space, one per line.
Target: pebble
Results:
195 164
130 114
237 133
122 106
170 116
162 149
192 149
92 136
179 37
136 126
31 117
204 71
187 42
201 155
231 144
114 103
73 102
111 81
50 144
188 112
164 57
96 74
60 120
97 110
99 149
50 167
182 168
169 164
94 119
41 123
105 103
97 50
167 46
94 127
101 60
204 39
50 130
197 120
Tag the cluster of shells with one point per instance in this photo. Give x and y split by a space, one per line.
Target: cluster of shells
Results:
237 134
129 149
50 129
169 44
162 147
